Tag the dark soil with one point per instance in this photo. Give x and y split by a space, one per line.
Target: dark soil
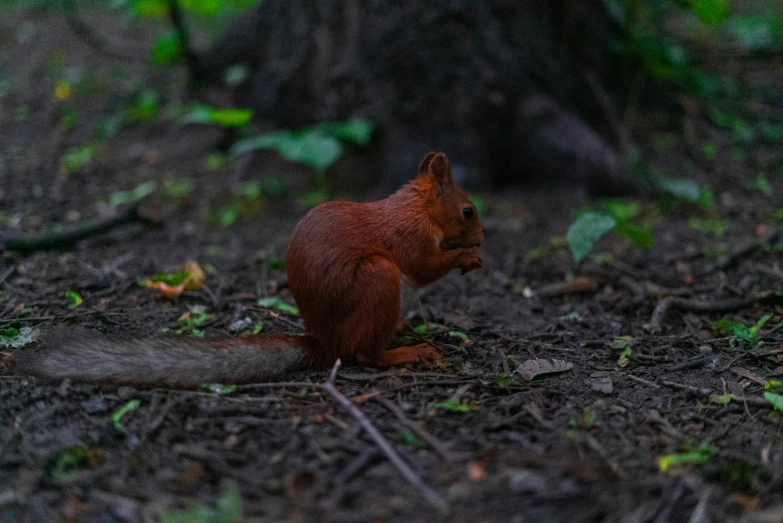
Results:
582 445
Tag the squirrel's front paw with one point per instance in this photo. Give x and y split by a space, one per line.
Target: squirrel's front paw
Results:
469 260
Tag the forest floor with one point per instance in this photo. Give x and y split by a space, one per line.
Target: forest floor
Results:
581 445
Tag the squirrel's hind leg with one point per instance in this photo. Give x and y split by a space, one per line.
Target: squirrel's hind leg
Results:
421 353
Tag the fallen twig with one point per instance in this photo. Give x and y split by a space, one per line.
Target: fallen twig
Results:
423 433
724 305
700 391
743 249
55 240
402 467
691 364
575 286
644 381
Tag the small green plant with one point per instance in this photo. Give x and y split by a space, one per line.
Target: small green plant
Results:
135 195
71 459
125 409
77 158
177 189
219 389
623 344
15 338
204 114
277 303
166 48
713 226
585 231
74 299
761 183
775 399
227 510
684 190
318 146
189 322
456 407
145 108
696 454
741 333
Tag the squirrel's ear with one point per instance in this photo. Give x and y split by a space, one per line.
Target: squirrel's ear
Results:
437 166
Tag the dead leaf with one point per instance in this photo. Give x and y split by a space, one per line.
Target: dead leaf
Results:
778 370
745 373
167 291
532 368
192 279
196 277
601 384
477 470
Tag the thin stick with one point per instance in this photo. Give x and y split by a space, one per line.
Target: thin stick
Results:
402 467
642 380
726 305
430 495
40 242
423 433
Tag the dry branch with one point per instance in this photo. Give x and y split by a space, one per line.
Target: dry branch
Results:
27 243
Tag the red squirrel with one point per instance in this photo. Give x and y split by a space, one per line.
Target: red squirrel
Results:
346 264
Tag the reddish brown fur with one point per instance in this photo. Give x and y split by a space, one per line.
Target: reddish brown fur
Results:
345 263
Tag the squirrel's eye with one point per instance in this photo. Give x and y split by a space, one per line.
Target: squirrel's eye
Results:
467 212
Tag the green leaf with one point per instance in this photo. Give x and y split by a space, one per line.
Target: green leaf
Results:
277 303
457 334
775 399
716 227
427 327
145 108
742 333
711 12
456 407
204 114
166 48
701 454
176 188
758 31
621 210
71 459
410 438
638 235
149 8
355 131
773 386
128 407
502 380
723 399
228 510
585 231
77 158
217 388
683 189
308 147
74 299
762 184
13 338
135 195
229 214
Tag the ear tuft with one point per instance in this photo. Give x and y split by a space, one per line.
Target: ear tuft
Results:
424 166
437 166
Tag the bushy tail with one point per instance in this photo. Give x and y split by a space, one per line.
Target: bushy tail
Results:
180 361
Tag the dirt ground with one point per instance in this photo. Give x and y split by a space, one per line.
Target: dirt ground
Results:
582 445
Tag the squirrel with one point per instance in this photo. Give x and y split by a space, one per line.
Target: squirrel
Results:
346 263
